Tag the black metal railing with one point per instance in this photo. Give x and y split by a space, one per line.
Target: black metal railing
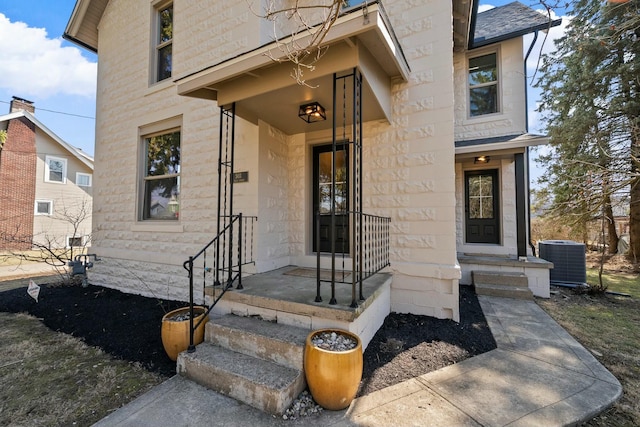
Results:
369 255
221 261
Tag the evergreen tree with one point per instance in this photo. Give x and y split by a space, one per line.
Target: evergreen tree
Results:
591 106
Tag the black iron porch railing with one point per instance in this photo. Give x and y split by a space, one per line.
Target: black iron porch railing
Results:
221 261
369 255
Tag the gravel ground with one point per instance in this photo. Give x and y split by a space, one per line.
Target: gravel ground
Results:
127 327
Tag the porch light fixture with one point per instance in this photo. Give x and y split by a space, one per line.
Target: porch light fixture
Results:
312 112
481 160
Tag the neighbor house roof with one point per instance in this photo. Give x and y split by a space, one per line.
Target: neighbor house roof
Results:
75 152
507 22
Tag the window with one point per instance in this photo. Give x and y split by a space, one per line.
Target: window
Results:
55 169
44 207
483 85
161 178
75 242
163 42
83 179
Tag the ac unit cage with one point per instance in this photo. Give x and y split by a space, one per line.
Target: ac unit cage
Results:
568 258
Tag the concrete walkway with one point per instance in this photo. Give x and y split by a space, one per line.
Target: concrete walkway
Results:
538 376
18 276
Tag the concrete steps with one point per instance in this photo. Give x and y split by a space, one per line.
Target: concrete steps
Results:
251 360
502 284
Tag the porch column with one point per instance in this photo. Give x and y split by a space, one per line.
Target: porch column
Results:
522 187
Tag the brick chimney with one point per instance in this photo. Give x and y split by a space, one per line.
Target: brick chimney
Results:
18 161
20 104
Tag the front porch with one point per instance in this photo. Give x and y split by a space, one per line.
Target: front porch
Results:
287 295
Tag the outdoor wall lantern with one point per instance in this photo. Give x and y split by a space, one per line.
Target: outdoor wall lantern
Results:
481 160
312 112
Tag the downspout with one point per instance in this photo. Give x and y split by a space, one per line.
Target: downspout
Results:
526 153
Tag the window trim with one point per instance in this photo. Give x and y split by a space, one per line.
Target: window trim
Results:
47 170
173 124
88 175
50 210
497 83
156 44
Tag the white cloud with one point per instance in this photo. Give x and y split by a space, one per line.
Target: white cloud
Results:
484 7
34 65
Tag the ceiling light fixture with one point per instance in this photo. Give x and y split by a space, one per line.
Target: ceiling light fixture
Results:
312 112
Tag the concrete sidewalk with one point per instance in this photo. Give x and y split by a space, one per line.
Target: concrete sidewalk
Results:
18 276
538 376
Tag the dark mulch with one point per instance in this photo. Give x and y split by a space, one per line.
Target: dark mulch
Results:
123 325
128 327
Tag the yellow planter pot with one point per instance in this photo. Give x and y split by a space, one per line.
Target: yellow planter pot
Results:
333 377
175 334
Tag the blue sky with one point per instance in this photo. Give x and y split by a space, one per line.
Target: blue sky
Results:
38 65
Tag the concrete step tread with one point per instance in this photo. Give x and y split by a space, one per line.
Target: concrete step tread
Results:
256 370
255 326
276 342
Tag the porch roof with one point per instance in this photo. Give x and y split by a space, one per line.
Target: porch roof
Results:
496 143
262 88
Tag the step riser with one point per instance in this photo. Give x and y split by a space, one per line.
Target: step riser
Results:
500 279
260 396
282 353
504 292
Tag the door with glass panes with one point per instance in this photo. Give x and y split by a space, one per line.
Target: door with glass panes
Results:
322 185
482 219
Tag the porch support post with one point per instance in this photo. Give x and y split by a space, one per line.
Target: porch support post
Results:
521 204
332 229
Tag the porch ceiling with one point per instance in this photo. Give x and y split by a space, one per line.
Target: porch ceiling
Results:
264 89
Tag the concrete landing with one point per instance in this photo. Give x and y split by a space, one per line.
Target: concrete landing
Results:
538 376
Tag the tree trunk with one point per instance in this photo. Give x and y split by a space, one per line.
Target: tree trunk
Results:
634 198
611 232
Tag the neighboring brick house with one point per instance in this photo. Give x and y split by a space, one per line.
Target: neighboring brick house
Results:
45 185
442 129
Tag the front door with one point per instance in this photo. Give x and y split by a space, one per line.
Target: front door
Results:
322 184
482 219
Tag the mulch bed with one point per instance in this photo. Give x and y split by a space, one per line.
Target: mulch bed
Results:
128 327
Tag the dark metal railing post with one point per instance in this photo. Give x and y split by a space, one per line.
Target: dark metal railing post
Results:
239 251
317 226
191 347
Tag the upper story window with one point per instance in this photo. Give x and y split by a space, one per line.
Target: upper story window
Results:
83 179
161 176
55 169
163 41
483 85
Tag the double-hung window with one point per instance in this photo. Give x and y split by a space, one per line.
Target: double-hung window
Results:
55 169
161 177
163 41
483 85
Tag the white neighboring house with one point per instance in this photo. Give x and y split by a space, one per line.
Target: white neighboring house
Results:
47 185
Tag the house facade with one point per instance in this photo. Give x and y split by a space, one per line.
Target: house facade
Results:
392 91
46 192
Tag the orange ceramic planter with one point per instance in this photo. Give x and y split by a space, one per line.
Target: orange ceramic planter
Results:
333 377
175 334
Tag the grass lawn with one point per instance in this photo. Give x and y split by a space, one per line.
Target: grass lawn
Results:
609 326
52 379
